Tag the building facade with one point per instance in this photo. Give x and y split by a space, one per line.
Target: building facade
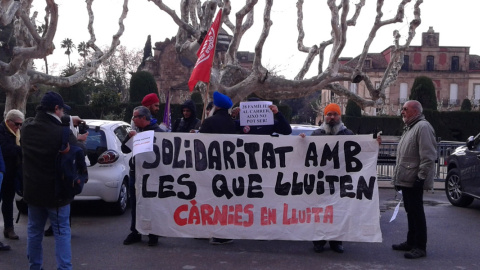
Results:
172 72
454 71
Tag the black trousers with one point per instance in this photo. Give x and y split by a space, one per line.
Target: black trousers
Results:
323 242
417 224
7 198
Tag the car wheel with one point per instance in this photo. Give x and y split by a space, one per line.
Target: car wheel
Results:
120 206
454 189
22 206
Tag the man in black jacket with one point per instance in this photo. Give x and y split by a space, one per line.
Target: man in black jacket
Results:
221 123
142 118
41 145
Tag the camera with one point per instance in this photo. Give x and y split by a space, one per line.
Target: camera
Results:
82 127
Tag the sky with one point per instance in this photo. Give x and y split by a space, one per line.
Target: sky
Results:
454 20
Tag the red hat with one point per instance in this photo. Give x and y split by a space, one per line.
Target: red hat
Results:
332 107
150 99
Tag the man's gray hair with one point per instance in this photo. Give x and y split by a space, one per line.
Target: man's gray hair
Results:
417 106
144 111
15 115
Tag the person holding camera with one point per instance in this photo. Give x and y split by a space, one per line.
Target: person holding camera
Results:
78 137
41 143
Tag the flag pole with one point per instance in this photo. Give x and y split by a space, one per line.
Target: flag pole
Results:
205 101
205 98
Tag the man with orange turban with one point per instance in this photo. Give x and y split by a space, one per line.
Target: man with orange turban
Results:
332 125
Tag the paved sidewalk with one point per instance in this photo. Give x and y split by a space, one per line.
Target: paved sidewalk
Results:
386 184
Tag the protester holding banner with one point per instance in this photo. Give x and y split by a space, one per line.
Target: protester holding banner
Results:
221 123
152 103
189 121
41 145
142 118
280 123
414 172
331 126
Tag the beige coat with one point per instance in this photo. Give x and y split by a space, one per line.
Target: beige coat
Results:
416 155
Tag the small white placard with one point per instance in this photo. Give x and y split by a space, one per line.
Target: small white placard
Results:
143 142
397 208
255 113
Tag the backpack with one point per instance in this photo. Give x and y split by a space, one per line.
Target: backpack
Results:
71 170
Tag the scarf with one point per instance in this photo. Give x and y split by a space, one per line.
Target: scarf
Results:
16 134
411 122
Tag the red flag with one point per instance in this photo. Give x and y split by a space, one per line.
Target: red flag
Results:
201 71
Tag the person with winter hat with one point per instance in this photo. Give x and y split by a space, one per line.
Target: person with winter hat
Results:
189 122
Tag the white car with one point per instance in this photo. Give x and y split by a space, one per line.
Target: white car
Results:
303 128
108 168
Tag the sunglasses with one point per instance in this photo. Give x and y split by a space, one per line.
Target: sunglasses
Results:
16 123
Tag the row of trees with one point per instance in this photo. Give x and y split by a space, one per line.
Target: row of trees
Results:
18 78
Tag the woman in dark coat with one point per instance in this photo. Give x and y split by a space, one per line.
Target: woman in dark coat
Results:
12 154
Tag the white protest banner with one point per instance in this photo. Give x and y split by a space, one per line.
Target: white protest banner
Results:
255 113
143 142
259 187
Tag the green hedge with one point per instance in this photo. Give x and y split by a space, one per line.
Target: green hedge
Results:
450 126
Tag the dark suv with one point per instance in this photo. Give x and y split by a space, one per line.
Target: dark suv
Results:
463 178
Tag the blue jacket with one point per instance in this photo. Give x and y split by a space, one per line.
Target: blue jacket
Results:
2 163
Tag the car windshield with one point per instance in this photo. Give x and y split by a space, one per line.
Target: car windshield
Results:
297 131
96 144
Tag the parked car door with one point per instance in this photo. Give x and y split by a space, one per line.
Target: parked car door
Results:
474 159
469 166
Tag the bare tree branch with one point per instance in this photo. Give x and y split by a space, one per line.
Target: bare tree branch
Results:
240 29
31 44
396 62
17 77
312 51
227 8
181 23
8 8
267 23
239 82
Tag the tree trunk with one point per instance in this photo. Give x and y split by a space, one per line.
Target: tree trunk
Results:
17 99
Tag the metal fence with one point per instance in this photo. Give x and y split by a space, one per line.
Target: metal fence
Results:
388 152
